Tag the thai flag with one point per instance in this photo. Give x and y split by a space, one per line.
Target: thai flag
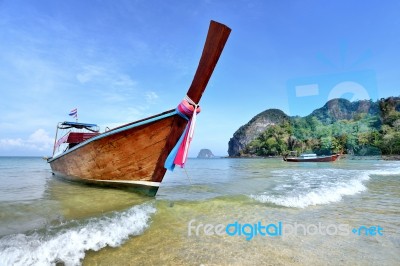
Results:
74 113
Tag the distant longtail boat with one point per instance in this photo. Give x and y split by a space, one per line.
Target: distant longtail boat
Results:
312 157
137 155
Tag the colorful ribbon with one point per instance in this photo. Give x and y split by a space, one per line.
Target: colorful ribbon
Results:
178 156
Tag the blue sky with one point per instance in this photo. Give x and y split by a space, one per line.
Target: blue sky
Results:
119 61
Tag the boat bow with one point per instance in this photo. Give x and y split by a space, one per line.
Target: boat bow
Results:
135 154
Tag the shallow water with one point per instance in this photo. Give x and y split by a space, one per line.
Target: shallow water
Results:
44 220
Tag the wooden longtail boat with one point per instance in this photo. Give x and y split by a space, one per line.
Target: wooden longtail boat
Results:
312 158
137 154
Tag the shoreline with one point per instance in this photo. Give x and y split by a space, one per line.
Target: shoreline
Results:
391 157
394 157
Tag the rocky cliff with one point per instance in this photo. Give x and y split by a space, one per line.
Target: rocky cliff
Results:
248 132
205 154
342 109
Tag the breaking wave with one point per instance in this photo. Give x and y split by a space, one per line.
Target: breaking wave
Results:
323 195
301 188
69 244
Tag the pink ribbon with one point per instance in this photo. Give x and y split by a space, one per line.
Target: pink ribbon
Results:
191 111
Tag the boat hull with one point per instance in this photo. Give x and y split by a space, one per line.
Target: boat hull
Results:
130 156
140 187
330 158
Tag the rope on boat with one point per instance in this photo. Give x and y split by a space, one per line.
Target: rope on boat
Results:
187 175
178 156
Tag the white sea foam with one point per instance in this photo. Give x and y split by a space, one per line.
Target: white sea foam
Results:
323 195
388 164
69 245
392 171
301 188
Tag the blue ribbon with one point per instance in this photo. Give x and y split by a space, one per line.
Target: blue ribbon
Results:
169 162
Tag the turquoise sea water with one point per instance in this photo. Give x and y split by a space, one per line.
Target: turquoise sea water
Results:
47 221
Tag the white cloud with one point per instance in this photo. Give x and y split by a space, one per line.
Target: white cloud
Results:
107 83
105 75
9 143
151 97
38 140
89 72
41 139
122 80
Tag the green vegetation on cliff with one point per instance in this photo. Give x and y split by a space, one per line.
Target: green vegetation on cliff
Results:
361 128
